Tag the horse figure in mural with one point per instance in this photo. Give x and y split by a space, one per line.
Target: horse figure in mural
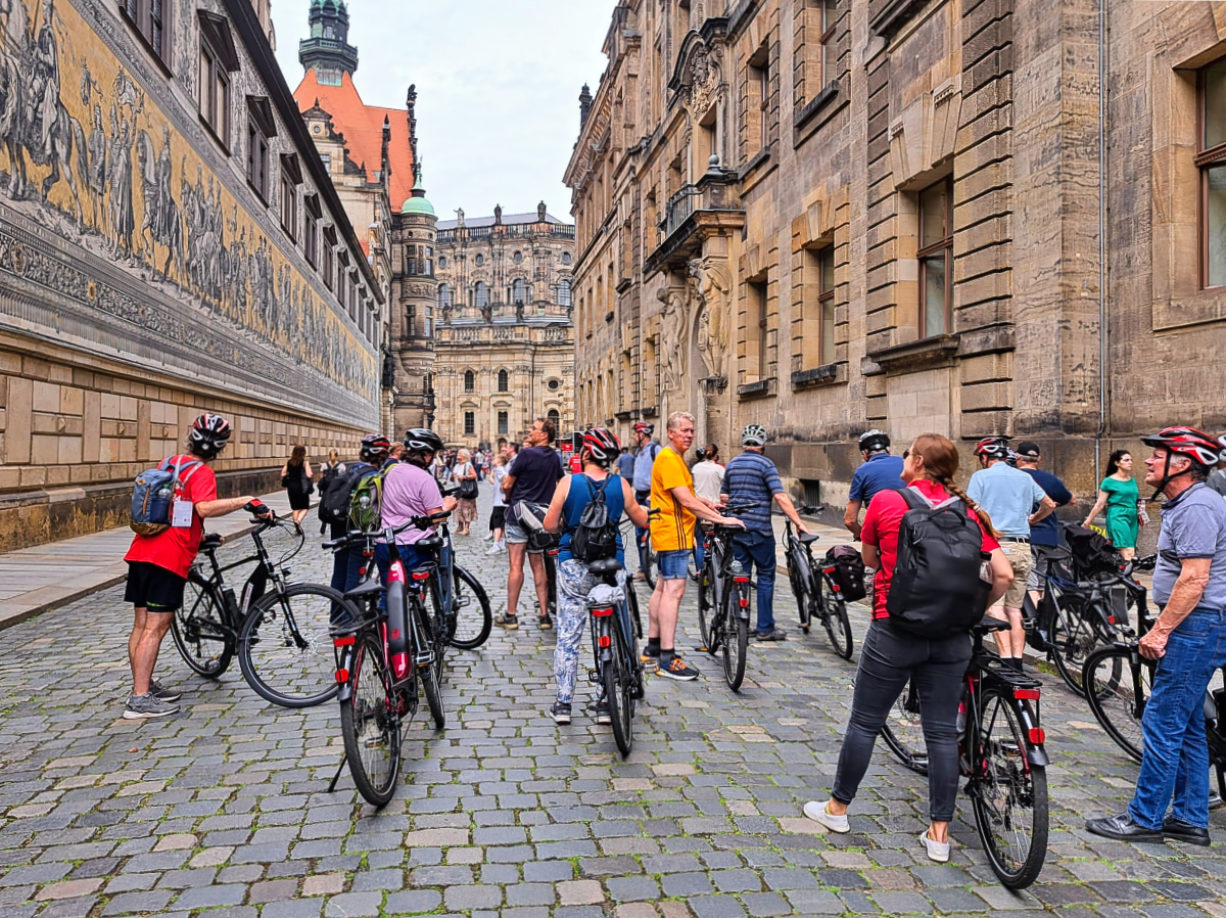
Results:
33 120
161 224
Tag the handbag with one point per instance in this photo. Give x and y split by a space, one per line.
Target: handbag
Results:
468 488
285 481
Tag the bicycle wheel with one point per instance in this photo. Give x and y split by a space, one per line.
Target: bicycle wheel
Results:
647 560
804 602
1073 638
618 693
472 626
430 673
903 731
370 724
1009 795
1118 693
706 612
834 618
284 647
736 637
198 626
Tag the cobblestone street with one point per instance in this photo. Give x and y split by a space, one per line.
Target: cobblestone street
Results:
223 810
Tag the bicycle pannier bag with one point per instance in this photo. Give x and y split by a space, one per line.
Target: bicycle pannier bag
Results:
848 571
937 591
153 495
595 537
366 504
336 491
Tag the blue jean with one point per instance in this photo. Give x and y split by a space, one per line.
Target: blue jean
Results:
1175 759
756 549
412 557
673 565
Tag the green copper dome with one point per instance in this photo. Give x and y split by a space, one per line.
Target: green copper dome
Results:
416 203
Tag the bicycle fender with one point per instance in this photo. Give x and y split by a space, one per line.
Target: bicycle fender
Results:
345 692
1037 755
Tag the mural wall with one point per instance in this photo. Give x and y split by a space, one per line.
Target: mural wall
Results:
127 231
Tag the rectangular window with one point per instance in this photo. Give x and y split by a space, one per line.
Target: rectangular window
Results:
328 269
936 249
410 317
758 100
257 159
825 304
151 20
759 330
470 423
214 93
310 228
291 178
1211 160
830 14
502 422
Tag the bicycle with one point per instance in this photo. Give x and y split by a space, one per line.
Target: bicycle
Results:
810 581
645 557
613 610
723 586
278 635
383 646
452 590
1000 752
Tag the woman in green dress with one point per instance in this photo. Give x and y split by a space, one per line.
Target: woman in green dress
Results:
1118 493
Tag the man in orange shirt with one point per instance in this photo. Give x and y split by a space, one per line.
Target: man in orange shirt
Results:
672 535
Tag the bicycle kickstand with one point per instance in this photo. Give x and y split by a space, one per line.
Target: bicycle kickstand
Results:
336 777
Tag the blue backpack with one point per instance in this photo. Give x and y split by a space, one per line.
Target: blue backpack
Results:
154 492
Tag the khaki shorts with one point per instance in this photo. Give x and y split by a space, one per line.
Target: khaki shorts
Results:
1021 560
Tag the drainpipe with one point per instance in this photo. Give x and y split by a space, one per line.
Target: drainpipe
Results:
1103 350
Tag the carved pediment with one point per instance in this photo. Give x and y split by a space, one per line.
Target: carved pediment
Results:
696 74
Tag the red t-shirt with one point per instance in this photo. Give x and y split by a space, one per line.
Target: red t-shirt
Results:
881 523
175 549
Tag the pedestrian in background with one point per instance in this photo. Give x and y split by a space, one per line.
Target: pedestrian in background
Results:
296 478
625 464
333 461
708 474
1119 494
1044 534
464 476
498 515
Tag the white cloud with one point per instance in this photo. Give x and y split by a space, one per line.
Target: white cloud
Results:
497 88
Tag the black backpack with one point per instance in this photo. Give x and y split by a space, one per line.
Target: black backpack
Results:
937 590
335 490
595 537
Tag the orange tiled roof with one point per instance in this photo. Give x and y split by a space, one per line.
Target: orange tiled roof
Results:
362 127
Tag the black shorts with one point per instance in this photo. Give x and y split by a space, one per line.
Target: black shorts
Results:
153 588
498 518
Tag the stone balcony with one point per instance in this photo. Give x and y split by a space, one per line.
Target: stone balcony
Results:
710 206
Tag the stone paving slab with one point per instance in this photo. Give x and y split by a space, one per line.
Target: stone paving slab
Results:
223 810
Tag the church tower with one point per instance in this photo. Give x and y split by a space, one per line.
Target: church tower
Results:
328 51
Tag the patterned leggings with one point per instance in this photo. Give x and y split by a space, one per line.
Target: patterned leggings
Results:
574 583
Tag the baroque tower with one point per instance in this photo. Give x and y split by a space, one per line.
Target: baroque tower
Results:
412 309
328 51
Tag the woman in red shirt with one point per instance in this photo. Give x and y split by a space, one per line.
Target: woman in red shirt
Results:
890 656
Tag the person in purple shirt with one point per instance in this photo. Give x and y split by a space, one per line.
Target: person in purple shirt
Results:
880 472
410 490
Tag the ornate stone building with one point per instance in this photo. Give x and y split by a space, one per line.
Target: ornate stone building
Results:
169 243
974 218
504 343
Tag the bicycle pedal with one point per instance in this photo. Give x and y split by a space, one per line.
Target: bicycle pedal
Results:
593 676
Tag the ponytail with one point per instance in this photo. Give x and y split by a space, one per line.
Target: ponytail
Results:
984 519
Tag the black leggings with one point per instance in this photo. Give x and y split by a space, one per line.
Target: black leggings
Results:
888 659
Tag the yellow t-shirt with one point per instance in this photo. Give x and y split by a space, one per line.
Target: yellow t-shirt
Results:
673 529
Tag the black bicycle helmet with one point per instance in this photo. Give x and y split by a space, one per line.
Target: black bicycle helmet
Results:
601 445
422 440
874 441
375 448
209 434
993 448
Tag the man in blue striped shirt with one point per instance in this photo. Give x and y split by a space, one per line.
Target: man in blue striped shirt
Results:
751 478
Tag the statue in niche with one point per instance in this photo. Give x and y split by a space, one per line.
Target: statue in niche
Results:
711 286
673 336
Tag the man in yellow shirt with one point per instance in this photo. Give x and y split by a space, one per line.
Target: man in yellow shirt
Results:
672 536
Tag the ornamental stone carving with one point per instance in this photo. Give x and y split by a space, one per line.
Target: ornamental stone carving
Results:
710 285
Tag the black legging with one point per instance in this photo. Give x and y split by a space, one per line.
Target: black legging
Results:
888 659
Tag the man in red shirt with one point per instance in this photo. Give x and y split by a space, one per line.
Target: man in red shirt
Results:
158 564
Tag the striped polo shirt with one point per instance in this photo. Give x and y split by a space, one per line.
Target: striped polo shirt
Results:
751 478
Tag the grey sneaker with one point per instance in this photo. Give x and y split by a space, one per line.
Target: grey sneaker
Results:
143 707
162 692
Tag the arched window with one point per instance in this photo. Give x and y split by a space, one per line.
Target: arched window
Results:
480 295
554 418
444 295
469 381
562 297
519 291
503 381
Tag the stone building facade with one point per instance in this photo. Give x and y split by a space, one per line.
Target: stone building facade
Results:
504 345
169 244
975 218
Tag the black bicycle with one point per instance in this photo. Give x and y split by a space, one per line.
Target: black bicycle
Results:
724 598
1000 752
613 611
643 558
453 590
817 591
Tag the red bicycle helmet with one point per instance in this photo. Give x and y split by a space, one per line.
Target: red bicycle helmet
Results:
993 448
209 433
644 428
601 445
1187 441
375 447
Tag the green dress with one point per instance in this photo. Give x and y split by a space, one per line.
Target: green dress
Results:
1122 523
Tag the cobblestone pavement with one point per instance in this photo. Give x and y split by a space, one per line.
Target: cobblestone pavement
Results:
223 810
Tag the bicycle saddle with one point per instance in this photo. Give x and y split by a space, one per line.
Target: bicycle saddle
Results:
364 589
606 566
211 540
808 538
987 624
430 543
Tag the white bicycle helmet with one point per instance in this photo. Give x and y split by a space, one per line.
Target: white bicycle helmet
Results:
753 435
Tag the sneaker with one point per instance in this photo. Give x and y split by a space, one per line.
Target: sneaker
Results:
560 712
602 712
490 537
510 622
143 707
816 810
676 669
493 550
545 622
162 692
937 851
647 658
776 635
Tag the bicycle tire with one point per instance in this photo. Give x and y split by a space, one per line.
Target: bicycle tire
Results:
1073 639
430 673
835 620
1109 675
803 599
736 635
370 724
618 693
204 641
1009 795
464 638
706 613
903 731
651 565
288 660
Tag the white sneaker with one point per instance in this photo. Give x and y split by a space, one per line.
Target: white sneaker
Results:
817 811
493 550
937 851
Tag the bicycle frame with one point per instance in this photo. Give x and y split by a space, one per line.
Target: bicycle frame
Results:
232 608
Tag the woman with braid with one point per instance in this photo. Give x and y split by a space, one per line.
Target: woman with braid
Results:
890 656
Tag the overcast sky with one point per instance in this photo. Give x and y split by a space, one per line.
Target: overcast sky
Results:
497 88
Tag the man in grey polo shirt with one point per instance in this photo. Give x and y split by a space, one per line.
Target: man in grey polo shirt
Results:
1015 502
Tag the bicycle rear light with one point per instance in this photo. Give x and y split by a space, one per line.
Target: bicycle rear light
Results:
421 575
342 676
1036 735
604 641
602 611
344 641
1026 694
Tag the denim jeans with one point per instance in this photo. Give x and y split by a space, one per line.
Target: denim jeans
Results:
756 549
1175 759
888 658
